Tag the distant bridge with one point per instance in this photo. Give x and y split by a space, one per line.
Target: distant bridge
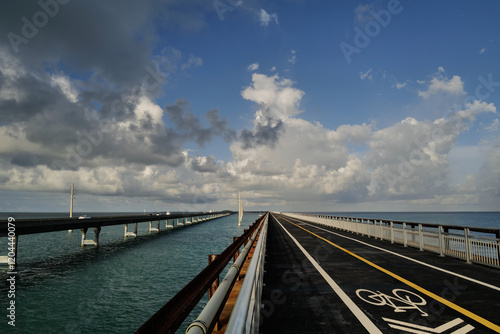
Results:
13 228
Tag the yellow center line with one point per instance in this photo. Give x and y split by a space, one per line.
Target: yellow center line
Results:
457 308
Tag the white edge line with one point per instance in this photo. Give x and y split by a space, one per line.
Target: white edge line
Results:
365 321
408 258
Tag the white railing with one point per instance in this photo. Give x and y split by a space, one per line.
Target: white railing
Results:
461 243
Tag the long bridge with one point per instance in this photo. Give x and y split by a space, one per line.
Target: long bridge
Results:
326 274
305 273
14 228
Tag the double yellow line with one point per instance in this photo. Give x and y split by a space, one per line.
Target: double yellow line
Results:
457 308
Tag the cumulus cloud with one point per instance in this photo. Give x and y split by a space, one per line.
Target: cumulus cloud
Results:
204 164
407 161
440 84
278 100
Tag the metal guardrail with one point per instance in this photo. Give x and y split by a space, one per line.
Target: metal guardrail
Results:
247 295
245 317
168 318
460 243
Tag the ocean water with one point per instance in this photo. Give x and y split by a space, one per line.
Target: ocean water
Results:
64 288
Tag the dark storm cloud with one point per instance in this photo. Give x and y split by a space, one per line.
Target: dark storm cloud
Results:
264 134
189 125
220 126
104 50
109 38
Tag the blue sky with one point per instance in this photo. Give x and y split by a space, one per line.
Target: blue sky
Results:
299 105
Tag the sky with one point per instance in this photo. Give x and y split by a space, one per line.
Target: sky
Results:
299 105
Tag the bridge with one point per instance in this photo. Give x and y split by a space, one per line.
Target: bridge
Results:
326 274
14 228
290 273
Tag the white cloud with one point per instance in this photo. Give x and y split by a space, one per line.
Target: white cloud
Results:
494 126
483 50
265 18
192 61
64 84
400 85
293 57
277 97
147 109
440 84
366 75
273 69
253 67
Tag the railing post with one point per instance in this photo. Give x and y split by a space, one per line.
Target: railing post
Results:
420 237
405 236
467 244
498 247
392 232
235 257
381 231
441 240
215 284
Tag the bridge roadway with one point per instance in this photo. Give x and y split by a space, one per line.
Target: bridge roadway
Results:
43 225
323 280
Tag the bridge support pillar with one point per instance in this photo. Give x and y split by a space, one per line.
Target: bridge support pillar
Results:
169 226
86 241
130 234
11 257
152 229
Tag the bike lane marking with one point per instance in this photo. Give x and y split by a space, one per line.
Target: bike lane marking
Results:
360 315
451 305
406 257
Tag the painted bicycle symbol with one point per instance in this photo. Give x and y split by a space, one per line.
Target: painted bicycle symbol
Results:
401 301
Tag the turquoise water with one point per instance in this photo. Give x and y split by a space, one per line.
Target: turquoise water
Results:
64 288
115 288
